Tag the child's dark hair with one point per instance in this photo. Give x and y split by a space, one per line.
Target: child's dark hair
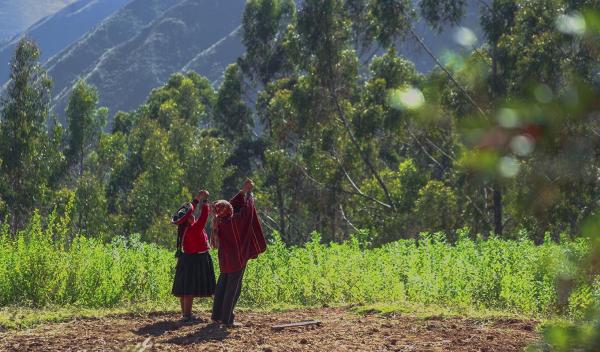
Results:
180 232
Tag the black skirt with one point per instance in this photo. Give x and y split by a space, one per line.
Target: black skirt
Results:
194 276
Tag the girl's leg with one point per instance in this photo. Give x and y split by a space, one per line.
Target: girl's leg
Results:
217 308
182 305
187 303
232 292
239 290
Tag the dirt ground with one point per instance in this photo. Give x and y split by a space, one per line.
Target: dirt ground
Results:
340 330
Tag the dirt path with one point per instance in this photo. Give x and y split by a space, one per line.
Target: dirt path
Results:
341 330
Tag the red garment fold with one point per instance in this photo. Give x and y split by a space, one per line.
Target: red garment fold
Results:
241 236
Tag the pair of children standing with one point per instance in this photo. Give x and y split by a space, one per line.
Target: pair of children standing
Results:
238 235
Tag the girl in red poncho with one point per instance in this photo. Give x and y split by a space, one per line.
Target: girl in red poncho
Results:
194 274
238 235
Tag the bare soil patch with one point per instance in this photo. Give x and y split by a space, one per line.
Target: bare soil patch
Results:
341 330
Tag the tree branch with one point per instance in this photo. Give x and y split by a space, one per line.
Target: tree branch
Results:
323 186
266 216
370 56
485 4
425 150
448 73
477 208
361 152
356 188
439 149
346 218
594 131
342 116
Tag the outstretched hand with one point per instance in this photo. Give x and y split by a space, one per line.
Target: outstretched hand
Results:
203 194
248 186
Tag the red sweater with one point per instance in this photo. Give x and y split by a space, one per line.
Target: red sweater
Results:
195 239
240 237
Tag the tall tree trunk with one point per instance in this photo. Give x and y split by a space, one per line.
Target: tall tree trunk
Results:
79 221
497 196
281 206
497 209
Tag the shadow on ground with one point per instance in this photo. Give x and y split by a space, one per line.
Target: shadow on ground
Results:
204 334
160 327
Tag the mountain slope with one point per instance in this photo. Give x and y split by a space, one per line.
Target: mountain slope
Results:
214 60
140 46
55 32
17 15
79 59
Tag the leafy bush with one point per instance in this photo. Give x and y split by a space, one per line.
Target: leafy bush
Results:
436 207
40 266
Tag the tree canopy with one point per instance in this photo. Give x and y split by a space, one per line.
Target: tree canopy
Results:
340 130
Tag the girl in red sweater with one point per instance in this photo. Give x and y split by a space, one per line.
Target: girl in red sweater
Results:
194 274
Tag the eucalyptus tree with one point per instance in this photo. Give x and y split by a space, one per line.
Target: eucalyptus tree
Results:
24 140
265 25
85 123
269 28
234 122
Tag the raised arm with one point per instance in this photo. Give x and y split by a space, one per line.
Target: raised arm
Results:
203 219
202 197
244 197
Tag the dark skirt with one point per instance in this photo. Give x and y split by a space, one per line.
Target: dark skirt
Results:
194 276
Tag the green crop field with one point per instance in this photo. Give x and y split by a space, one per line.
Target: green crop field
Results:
40 267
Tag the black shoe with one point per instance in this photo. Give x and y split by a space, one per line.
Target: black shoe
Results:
190 319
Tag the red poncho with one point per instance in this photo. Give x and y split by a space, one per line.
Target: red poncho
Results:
240 237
